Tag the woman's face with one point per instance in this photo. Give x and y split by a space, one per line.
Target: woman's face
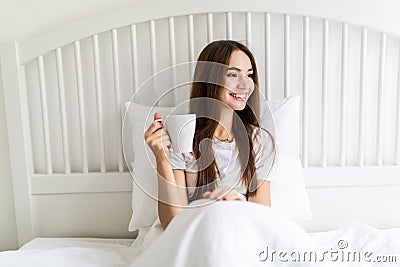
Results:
239 84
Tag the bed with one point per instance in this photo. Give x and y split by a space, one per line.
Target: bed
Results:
65 99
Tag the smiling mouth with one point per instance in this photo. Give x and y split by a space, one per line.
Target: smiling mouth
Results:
239 97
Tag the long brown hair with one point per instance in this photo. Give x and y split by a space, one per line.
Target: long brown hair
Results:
220 52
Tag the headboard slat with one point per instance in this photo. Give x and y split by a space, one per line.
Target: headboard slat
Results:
286 68
135 74
267 18
306 48
229 25
63 111
324 109
117 92
45 115
99 101
172 52
248 29
153 54
381 83
191 42
397 153
210 28
361 127
81 103
343 94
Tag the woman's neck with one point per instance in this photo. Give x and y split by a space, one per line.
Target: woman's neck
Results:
223 131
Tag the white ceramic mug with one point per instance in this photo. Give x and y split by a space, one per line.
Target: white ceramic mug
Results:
181 130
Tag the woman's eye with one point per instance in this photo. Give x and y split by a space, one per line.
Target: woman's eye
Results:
232 74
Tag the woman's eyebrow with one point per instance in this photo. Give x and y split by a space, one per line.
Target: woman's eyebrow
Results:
237 69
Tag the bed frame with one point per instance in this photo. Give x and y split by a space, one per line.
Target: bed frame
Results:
64 93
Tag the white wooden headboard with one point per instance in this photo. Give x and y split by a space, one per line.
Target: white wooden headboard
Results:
64 93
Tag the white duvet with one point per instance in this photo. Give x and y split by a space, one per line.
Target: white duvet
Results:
230 233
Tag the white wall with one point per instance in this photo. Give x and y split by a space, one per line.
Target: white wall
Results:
22 19
8 232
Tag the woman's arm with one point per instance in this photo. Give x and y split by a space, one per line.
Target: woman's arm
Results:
171 184
172 195
265 152
263 195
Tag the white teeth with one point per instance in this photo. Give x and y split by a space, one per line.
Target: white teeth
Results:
239 96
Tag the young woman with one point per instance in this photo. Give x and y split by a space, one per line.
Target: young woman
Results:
236 163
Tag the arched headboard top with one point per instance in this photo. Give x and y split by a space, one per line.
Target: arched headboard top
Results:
380 19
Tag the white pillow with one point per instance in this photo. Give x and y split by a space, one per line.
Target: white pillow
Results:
288 193
142 164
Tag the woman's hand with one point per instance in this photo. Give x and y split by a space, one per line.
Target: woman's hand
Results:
224 193
158 139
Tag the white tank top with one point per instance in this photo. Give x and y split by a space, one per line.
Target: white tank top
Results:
227 159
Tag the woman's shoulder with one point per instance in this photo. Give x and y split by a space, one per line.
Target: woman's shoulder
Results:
263 146
260 135
187 156
181 160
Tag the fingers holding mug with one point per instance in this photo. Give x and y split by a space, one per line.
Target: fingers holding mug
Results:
157 138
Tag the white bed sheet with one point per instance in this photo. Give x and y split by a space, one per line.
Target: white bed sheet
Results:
48 243
236 233
75 252
211 237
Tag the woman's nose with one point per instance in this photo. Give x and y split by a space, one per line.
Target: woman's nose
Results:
244 82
